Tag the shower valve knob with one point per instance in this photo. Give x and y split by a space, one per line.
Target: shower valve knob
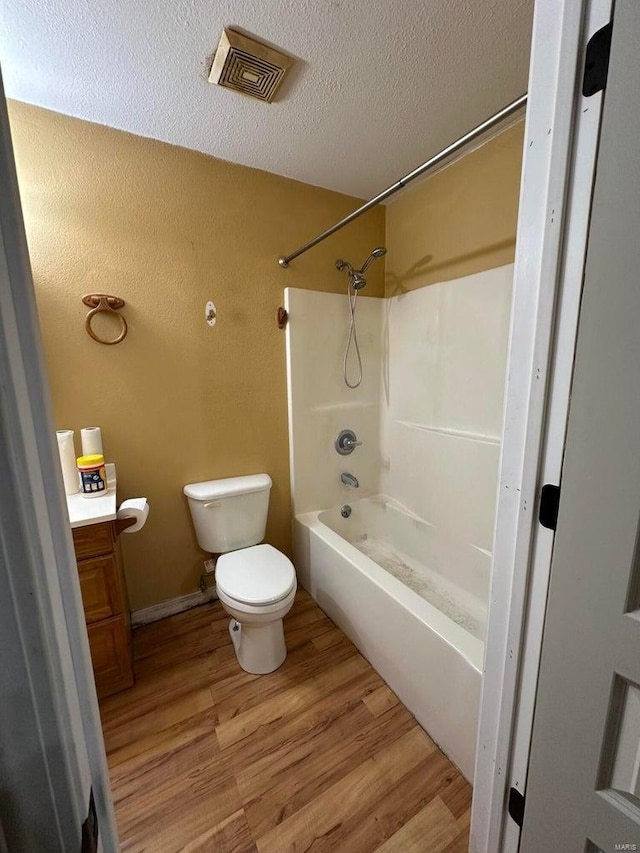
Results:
346 442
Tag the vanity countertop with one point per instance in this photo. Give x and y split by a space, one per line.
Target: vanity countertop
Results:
84 511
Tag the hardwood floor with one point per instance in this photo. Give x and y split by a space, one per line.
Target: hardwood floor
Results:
320 755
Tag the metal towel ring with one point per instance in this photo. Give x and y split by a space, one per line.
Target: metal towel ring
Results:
99 302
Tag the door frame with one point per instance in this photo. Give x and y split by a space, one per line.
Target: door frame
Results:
591 646
556 186
54 755
561 139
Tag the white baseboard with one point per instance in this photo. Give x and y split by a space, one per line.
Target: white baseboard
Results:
171 607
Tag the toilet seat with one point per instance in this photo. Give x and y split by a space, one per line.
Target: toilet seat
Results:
259 575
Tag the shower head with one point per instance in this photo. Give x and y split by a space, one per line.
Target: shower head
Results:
380 252
356 277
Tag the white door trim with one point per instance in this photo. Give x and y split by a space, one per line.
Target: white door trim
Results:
587 120
558 172
48 708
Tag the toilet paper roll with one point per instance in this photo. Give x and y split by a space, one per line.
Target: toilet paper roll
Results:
91 441
67 452
137 508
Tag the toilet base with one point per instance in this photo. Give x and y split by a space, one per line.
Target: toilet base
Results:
259 648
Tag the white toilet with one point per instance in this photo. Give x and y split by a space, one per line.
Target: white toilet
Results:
256 584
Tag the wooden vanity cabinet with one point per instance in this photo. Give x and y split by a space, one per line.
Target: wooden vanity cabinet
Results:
106 608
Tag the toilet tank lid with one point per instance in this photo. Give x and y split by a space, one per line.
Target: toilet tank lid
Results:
212 489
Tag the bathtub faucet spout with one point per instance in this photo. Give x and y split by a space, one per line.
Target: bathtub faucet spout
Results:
349 480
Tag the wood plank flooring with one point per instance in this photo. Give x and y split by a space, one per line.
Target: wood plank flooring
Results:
317 756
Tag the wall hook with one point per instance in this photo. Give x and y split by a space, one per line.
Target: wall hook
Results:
210 313
282 317
99 302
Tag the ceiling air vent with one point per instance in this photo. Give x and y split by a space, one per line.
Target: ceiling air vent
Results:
248 66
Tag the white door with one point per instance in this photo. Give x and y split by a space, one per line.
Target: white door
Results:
583 789
54 786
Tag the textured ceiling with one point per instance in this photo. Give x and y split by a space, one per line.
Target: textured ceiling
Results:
379 86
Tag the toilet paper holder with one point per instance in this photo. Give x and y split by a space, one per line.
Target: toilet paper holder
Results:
99 302
123 523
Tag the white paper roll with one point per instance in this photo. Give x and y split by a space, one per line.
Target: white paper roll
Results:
137 508
91 441
67 452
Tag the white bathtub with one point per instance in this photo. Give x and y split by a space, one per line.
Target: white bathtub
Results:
426 638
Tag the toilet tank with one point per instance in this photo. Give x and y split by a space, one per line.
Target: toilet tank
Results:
229 514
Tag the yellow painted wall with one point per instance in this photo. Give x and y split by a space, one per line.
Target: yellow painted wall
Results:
460 221
167 229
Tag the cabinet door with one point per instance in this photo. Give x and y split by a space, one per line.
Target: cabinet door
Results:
111 654
100 588
93 539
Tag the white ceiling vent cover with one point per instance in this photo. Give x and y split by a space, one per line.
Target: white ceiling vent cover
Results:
248 66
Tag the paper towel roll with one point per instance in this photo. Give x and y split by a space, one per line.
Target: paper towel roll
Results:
67 452
137 508
91 441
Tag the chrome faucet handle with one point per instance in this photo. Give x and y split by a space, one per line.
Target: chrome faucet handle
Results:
349 480
346 442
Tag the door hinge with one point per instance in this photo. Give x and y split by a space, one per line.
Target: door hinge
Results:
549 502
90 828
596 61
516 806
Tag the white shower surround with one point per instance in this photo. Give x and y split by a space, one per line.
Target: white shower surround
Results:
429 412
445 350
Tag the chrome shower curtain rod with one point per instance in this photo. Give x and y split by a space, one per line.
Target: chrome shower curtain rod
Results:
489 123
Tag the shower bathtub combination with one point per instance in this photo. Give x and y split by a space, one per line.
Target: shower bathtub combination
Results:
409 598
393 525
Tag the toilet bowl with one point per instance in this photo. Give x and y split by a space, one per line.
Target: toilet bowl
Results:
257 587
256 584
